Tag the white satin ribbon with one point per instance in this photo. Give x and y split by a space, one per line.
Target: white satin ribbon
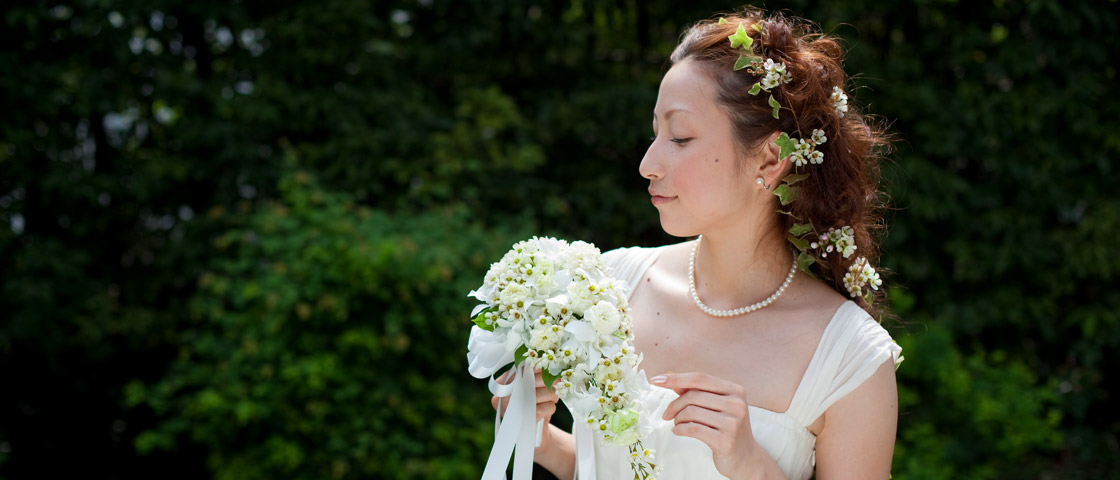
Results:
486 354
516 434
585 452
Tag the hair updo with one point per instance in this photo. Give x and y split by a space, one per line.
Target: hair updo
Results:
843 190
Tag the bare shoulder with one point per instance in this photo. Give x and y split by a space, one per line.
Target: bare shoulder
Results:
813 303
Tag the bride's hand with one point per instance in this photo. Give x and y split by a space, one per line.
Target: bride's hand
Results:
546 405
714 411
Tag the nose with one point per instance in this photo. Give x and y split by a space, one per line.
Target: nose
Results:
652 167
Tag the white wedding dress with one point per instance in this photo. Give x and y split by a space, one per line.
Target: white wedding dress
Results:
851 349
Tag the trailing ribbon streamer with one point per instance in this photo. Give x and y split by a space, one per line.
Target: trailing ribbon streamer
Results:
585 453
516 433
486 355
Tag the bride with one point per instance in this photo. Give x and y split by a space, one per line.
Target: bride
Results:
766 371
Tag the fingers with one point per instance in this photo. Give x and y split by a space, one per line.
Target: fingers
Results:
700 399
499 404
545 398
704 433
505 378
682 382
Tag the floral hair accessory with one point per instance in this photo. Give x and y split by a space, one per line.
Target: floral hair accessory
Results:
801 150
839 101
861 274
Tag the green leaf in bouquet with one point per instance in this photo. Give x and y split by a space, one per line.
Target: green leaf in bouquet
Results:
480 319
519 355
548 378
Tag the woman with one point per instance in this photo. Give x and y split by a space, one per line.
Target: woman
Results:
765 372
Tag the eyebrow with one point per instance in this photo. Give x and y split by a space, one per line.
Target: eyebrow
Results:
669 113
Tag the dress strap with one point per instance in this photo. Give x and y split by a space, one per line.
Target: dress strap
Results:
852 348
630 263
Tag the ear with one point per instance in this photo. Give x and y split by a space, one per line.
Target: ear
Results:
771 168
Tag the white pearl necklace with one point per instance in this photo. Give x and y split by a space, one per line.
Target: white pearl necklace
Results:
738 311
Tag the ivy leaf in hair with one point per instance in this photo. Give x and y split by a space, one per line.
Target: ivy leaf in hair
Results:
800 229
798 242
745 61
794 178
786 145
785 193
757 87
741 39
777 106
805 261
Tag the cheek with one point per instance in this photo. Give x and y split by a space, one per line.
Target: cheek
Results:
710 173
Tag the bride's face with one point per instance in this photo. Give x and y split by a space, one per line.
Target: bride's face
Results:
698 182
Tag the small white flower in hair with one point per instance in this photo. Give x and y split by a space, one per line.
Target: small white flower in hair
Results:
798 159
818 136
839 101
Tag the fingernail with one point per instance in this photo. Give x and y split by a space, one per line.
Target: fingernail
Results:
658 379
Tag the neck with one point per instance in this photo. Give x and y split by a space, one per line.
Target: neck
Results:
733 270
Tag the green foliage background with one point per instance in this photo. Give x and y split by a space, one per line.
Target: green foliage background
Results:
236 237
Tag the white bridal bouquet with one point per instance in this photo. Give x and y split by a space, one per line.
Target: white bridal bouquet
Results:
551 305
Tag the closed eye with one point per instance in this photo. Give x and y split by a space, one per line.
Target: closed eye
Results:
680 141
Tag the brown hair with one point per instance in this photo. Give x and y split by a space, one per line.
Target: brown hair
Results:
843 190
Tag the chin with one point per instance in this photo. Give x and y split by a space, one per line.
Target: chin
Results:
676 229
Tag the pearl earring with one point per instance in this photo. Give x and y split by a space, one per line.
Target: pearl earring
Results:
760 182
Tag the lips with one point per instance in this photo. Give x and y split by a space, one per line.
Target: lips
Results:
659 199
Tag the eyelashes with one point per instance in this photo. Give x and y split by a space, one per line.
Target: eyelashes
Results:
678 141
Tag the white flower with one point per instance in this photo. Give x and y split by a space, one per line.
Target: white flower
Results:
515 295
844 238
550 361
562 388
543 338
582 295
569 355
804 147
816 157
818 136
776 74
603 373
859 274
839 101
798 159
604 317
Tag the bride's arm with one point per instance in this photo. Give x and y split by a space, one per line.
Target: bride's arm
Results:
857 439
558 453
